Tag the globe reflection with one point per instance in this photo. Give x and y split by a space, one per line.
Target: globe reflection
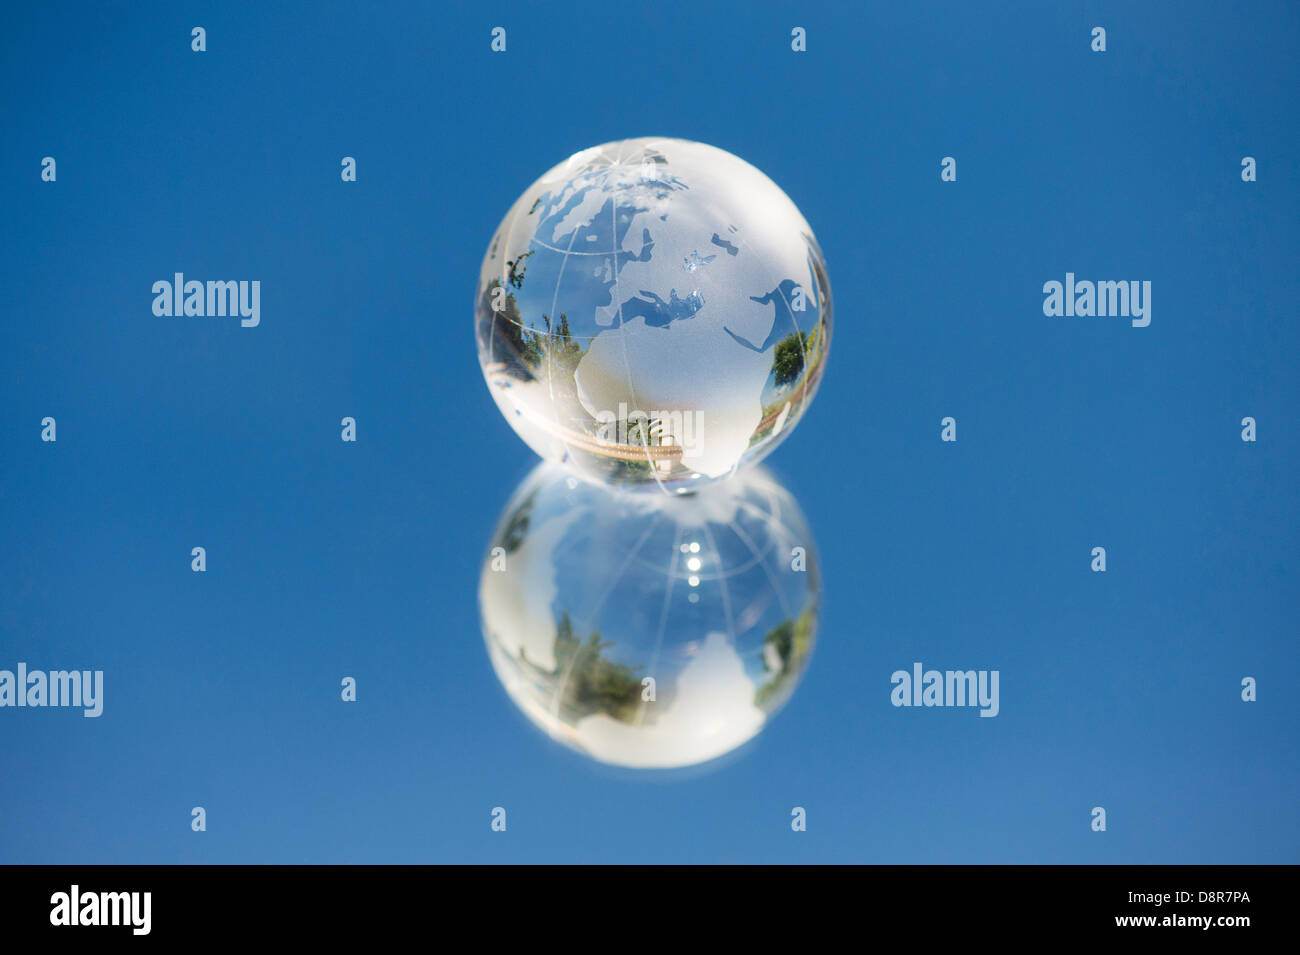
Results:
648 630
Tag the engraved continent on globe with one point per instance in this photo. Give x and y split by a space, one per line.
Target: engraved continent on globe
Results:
653 311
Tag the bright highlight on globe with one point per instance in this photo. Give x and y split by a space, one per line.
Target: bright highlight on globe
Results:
653 315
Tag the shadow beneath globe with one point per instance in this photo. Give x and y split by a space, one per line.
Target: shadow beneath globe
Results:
649 631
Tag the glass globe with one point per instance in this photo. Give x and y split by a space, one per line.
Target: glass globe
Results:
650 630
653 311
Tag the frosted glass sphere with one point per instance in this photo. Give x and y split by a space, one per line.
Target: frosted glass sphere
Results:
650 630
653 311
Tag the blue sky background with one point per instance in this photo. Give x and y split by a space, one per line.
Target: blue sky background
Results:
325 559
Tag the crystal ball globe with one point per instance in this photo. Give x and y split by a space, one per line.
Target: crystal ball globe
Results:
653 311
650 631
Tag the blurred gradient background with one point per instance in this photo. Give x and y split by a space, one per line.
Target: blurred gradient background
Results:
327 559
